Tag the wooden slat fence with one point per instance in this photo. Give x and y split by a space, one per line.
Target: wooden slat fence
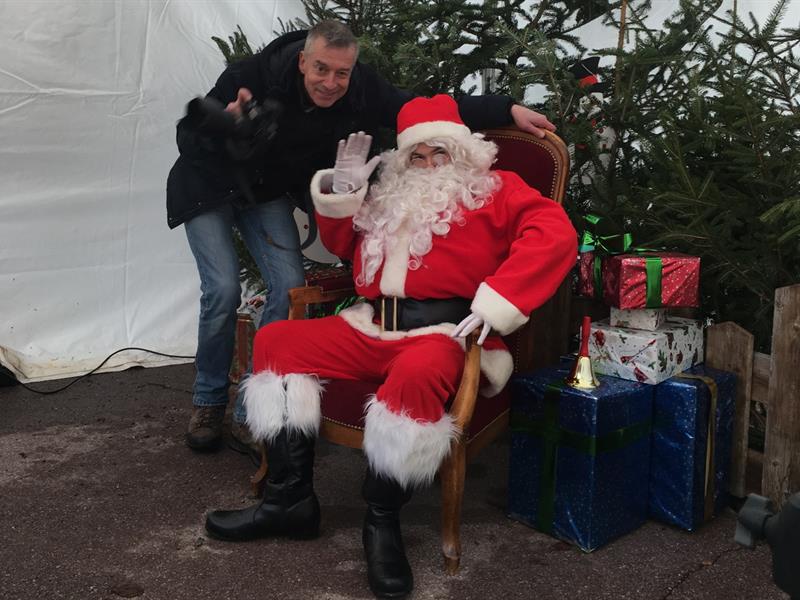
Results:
781 477
772 380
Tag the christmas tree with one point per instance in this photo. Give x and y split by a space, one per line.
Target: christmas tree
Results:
704 156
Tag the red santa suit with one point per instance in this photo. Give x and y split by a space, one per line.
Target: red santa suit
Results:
509 256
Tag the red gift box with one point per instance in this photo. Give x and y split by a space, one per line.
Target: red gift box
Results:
651 280
586 276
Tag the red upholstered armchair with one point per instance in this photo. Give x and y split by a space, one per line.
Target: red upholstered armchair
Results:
544 164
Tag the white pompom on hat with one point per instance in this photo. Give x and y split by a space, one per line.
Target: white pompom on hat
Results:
423 119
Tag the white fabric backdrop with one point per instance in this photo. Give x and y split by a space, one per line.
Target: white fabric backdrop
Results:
89 95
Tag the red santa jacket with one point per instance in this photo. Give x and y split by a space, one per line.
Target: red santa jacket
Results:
509 255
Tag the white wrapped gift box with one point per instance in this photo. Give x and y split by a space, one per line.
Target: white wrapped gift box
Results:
646 356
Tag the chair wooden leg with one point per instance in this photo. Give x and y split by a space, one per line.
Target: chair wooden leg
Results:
257 480
451 475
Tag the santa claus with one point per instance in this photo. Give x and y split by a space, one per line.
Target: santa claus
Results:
441 245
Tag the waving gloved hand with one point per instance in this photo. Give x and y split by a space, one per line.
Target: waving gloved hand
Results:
470 323
351 171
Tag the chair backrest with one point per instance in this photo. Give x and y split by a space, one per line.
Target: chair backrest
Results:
543 163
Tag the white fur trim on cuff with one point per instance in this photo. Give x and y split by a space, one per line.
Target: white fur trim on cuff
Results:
407 450
430 130
501 314
303 413
335 206
265 403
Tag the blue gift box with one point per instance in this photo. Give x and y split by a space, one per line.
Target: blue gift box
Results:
681 446
579 458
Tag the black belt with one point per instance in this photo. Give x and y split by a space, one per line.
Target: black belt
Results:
398 314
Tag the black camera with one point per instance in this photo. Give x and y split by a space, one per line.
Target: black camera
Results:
257 124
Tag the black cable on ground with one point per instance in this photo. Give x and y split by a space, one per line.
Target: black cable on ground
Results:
105 360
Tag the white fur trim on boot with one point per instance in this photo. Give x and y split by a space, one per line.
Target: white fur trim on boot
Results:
303 412
265 403
405 449
275 401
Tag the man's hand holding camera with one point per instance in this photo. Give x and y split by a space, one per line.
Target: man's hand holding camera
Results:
238 106
244 126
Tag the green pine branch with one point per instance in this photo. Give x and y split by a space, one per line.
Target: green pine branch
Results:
706 153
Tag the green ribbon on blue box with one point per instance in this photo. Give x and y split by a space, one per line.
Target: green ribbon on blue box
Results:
554 436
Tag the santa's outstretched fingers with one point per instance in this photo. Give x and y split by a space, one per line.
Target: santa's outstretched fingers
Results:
351 170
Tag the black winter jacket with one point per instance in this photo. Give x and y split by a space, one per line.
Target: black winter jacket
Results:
204 176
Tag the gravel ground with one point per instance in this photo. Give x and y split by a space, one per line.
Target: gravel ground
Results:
100 499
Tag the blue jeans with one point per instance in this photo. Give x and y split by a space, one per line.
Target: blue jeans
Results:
210 236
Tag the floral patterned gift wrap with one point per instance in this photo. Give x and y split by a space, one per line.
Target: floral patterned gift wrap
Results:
646 356
638 318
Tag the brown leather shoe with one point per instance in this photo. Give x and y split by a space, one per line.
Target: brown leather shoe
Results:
243 442
205 428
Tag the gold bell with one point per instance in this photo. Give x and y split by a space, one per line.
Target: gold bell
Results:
582 374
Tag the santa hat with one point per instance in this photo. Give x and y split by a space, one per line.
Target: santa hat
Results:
423 119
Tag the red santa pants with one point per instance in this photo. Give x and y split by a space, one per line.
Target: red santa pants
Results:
417 374
406 430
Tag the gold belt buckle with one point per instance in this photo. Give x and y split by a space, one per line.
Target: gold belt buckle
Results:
394 313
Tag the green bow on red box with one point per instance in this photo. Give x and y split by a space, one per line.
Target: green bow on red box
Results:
593 241
603 245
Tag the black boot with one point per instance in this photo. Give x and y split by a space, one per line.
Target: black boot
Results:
289 506
388 571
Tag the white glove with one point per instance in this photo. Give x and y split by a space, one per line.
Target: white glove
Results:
351 171
469 324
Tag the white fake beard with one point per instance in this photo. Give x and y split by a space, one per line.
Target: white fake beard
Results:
424 201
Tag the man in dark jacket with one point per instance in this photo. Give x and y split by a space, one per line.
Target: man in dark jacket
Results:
323 94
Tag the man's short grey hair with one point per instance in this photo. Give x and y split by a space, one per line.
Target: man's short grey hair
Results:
335 33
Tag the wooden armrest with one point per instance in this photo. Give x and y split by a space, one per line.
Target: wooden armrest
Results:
464 403
300 297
